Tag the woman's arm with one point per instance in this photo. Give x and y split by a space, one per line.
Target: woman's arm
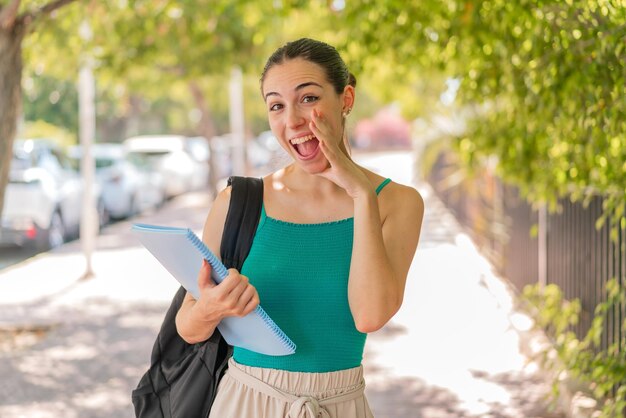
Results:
235 296
382 255
383 250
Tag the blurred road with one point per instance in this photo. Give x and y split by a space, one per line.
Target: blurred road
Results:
72 348
14 255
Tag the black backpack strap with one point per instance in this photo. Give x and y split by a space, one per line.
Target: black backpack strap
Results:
183 378
242 220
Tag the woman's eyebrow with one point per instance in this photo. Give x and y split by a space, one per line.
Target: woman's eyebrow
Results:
310 83
298 87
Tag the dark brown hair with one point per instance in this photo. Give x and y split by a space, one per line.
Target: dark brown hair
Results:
316 52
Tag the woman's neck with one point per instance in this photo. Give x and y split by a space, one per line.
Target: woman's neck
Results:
295 178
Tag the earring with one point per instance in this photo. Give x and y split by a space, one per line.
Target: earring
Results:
346 112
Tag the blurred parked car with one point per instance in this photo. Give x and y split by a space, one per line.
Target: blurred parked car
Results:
198 148
127 187
222 146
43 199
263 153
273 155
168 155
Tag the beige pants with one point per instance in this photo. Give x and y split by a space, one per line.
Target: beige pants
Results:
255 392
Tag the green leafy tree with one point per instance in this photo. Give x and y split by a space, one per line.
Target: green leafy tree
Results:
181 45
602 370
51 100
157 47
151 49
548 79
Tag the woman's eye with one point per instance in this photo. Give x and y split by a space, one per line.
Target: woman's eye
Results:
310 99
275 107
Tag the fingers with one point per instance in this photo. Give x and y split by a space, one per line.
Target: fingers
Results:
251 305
204 276
236 295
242 304
322 132
237 291
319 126
231 281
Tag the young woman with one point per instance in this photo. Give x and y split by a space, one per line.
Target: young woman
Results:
329 259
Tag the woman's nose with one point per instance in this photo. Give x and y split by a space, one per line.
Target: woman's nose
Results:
295 118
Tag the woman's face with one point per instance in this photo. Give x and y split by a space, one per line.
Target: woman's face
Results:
291 91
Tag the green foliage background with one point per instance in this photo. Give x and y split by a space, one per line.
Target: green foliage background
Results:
601 369
544 80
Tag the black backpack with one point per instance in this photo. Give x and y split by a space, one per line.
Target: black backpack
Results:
182 379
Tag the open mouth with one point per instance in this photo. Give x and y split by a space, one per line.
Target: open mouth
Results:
306 146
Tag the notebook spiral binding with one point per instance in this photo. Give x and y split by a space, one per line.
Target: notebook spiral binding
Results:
277 331
222 273
220 269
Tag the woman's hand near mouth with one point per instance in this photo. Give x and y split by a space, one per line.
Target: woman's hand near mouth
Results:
341 169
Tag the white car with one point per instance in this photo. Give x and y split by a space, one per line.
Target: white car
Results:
43 199
258 155
268 151
198 148
127 188
168 155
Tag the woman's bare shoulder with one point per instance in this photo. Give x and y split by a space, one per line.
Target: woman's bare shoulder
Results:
399 200
403 191
395 192
406 197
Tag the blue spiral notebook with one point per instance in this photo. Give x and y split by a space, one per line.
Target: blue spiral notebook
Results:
181 252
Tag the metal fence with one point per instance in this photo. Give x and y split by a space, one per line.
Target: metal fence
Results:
520 260
528 246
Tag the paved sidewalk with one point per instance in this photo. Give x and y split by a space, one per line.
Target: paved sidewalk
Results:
71 348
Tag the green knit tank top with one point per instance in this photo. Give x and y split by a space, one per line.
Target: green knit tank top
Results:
301 273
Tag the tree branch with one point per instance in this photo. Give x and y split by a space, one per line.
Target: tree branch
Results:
8 14
51 7
45 10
